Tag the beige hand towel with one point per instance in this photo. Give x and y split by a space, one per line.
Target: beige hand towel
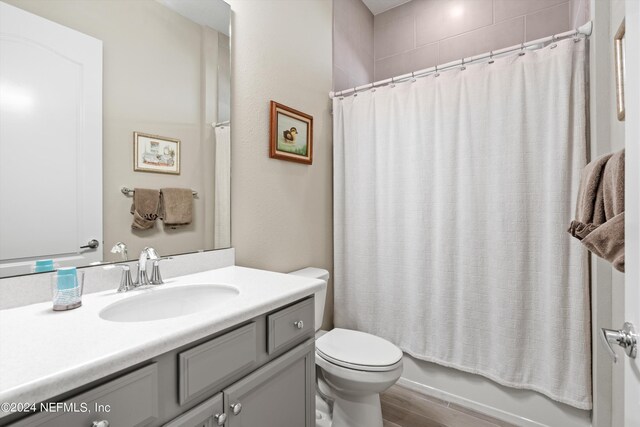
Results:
176 207
144 208
607 241
599 222
590 207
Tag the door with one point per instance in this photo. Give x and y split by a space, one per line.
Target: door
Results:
280 394
631 391
207 414
50 143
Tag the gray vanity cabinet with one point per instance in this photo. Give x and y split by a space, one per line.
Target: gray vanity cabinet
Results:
280 394
257 374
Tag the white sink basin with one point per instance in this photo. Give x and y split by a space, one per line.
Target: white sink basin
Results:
157 304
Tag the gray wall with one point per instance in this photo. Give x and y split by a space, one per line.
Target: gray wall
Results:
153 83
424 33
353 44
281 211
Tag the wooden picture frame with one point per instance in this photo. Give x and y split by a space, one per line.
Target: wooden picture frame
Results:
291 134
157 154
618 49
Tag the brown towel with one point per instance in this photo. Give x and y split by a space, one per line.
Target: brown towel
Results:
590 207
599 222
607 241
144 208
176 206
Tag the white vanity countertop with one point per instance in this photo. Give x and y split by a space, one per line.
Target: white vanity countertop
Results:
45 353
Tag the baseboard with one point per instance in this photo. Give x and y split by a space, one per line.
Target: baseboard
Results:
470 404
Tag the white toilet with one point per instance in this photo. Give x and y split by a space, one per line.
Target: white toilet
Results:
354 368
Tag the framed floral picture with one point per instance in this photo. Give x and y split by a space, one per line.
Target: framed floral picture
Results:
153 153
291 134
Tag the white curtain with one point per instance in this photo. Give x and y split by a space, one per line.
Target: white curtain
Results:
452 199
222 192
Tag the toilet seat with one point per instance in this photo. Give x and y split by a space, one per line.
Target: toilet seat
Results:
358 350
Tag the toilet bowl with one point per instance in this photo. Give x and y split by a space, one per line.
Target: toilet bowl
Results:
353 369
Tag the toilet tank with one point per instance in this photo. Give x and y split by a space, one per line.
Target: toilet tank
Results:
320 296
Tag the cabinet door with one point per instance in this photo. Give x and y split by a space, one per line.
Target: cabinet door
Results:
128 401
280 394
207 414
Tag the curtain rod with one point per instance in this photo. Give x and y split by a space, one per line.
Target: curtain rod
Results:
584 30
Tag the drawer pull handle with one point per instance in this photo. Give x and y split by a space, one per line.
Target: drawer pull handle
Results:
220 418
103 423
299 324
236 408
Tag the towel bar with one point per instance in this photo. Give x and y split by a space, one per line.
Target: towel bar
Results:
129 192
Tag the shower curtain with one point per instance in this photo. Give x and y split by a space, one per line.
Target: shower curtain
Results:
452 196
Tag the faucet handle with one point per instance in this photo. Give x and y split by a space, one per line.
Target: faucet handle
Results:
126 284
156 278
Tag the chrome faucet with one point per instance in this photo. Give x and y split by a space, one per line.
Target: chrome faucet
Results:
147 254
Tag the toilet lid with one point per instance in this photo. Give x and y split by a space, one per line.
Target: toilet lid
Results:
358 350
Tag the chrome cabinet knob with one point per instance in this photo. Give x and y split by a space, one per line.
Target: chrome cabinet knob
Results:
236 408
103 423
220 418
299 324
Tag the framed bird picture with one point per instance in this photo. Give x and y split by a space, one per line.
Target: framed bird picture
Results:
291 134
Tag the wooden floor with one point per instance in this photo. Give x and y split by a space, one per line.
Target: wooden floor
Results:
402 407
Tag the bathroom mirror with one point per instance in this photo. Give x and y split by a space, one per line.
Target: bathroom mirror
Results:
157 69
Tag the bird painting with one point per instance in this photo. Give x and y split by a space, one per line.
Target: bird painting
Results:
290 135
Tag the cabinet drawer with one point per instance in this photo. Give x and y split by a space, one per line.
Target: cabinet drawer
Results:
131 400
208 365
207 414
290 325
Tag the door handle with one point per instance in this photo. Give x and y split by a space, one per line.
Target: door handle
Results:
625 338
91 244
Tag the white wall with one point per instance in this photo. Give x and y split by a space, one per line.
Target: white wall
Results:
281 211
616 142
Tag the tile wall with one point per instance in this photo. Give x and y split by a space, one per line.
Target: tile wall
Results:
424 33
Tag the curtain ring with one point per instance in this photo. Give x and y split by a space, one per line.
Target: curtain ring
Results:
553 42
491 61
393 83
437 73
413 77
355 92
521 49
462 68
